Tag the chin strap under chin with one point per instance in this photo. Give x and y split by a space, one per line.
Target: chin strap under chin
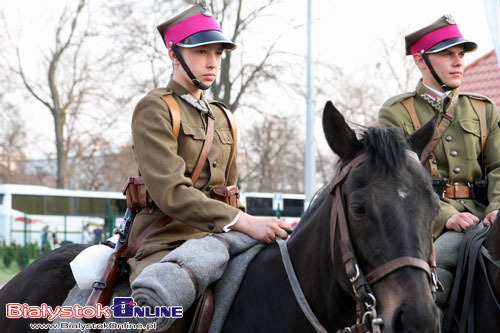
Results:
196 82
433 72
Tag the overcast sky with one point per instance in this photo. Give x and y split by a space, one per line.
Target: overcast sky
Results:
346 33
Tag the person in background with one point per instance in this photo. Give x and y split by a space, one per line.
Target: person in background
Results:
45 239
99 235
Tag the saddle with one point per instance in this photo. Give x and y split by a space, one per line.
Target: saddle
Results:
204 312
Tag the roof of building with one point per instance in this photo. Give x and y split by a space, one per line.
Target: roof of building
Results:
483 77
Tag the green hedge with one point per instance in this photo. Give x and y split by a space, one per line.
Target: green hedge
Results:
16 253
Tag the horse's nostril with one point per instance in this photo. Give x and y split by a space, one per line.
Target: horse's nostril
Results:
409 318
398 321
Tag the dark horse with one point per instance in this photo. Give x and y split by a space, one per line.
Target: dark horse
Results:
487 285
389 207
475 296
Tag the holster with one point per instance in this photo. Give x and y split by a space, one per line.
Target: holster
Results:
438 185
226 194
137 195
481 191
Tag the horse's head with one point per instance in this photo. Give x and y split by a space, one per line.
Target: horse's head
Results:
389 206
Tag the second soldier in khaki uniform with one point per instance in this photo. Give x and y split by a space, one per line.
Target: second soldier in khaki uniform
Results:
461 156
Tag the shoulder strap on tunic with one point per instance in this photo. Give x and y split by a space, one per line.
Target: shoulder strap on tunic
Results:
479 107
410 107
174 112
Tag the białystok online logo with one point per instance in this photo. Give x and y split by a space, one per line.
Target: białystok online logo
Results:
123 307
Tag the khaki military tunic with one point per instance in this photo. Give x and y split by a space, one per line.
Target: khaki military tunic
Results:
166 163
458 151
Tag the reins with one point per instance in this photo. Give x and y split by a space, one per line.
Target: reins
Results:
367 318
471 252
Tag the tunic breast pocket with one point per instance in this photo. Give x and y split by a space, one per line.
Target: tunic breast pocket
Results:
471 137
226 138
190 144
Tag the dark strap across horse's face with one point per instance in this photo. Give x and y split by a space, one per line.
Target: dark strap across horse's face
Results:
361 283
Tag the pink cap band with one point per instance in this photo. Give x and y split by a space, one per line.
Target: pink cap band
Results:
190 26
434 37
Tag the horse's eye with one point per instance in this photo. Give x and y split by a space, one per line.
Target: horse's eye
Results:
358 209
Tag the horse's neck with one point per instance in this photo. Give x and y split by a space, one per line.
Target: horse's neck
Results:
311 243
311 256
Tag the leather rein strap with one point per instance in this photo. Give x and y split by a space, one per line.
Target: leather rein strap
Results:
365 298
205 150
297 290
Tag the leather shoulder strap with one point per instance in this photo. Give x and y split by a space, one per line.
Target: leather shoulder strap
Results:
234 131
410 107
479 107
207 144
174 112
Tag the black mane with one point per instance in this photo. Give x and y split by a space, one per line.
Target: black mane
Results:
386 147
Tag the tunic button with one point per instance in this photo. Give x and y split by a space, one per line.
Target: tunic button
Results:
215 164
211 226
462 202
453 153
448 138
456 170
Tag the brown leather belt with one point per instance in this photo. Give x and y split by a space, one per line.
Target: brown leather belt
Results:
458 192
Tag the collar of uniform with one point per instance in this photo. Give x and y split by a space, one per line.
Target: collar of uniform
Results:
178 89
433 97
199 104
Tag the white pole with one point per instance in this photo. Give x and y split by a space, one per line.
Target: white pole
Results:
310 167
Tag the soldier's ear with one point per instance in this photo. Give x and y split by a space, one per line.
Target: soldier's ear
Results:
419 61
172 57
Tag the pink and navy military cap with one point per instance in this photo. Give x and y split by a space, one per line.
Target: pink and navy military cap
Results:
195 26
437 37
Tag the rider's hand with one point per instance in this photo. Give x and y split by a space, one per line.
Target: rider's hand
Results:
461 221
490 218
261 228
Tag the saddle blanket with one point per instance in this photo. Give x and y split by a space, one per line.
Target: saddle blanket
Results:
208 267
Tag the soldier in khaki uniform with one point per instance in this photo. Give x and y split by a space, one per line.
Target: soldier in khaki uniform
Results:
438 51
195 46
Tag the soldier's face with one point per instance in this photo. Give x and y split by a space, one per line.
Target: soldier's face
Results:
204 61
449 66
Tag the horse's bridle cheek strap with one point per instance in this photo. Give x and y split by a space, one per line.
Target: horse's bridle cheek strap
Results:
361 283
389 267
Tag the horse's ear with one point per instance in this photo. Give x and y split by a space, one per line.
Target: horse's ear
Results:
341 138
419 139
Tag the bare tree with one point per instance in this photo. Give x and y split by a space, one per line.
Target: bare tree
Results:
12 143
271 157
236 79
74 74
102 167
398 70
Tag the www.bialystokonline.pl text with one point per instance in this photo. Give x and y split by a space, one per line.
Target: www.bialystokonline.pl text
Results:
93 326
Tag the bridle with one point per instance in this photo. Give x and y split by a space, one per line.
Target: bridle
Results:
367 318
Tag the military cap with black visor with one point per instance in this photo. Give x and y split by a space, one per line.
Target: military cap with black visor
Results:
436 37
194 27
